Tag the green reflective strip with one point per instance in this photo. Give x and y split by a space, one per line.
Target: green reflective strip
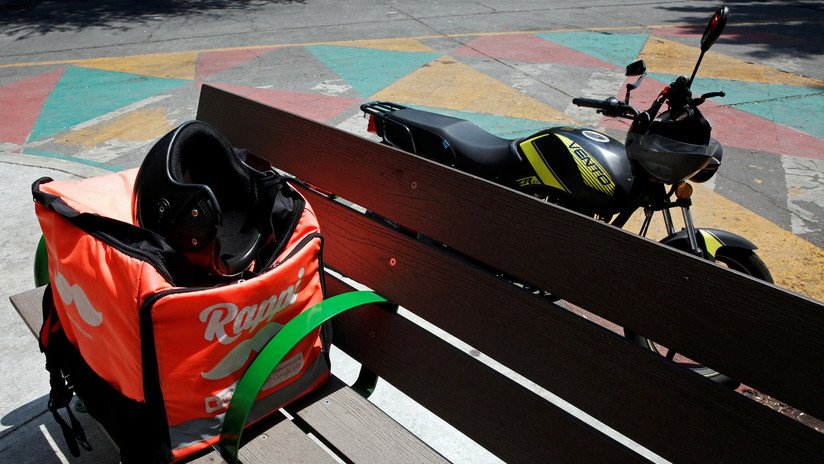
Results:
539 165
272 354
41 264
711 242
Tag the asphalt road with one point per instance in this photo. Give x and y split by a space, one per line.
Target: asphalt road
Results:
93 84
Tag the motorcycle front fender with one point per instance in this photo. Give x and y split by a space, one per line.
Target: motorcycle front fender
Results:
709 240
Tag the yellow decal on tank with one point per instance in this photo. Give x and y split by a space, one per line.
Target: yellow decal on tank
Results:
527 181
539 165
594 175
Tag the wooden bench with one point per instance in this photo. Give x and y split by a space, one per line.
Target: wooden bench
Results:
766 337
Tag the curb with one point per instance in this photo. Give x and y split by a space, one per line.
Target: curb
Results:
68 167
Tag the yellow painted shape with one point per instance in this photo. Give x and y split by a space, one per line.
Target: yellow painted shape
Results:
668 57
795 263
421 37
448 83
398 45
143 125
169 65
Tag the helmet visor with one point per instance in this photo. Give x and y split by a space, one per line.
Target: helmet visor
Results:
666 159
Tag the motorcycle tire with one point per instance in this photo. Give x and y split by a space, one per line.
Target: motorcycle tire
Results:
739 259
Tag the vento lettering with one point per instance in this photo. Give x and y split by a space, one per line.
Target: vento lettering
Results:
593 167
592 172
225 322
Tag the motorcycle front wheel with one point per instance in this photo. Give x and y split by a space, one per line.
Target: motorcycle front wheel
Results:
739 259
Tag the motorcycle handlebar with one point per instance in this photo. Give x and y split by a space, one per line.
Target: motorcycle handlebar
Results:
609 107
588 102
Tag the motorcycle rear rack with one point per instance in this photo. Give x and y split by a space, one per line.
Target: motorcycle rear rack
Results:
380 108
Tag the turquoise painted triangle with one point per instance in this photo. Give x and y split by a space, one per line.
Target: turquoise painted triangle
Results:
368 70
618 49
502 126
74 159
796 113
784 104
83 94
740 91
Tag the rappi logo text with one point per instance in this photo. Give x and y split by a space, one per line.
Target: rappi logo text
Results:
225 322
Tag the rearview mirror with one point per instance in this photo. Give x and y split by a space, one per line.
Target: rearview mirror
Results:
636 68
714 28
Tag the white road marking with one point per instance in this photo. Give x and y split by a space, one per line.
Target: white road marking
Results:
805 184
59 454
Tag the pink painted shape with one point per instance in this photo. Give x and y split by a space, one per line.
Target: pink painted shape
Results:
745 130
313 106
679 31
210 63
21 103
641 98
743 34
734 127
528 47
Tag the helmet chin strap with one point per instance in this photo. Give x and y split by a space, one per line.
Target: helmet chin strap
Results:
234 266
261 242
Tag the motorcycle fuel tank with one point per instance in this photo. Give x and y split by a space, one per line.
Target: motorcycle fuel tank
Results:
578 168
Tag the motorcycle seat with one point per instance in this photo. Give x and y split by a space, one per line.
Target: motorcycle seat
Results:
476 150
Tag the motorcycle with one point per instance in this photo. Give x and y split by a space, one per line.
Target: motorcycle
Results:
592 173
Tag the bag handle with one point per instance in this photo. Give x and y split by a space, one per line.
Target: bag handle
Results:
272 354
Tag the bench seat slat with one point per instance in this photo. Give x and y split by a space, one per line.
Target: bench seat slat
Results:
29 307
356 428
282 442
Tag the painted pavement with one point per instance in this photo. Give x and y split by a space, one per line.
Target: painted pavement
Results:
107 112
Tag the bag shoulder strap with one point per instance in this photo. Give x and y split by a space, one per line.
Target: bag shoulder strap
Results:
55 345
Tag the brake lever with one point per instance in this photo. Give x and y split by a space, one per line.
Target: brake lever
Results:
618 109
704 97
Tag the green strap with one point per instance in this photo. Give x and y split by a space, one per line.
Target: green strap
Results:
365 383
368 380
41 264
272 354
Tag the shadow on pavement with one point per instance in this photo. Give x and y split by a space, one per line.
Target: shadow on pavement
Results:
797 26
35 437
26 18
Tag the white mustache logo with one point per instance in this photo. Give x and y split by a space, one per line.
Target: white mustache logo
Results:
236 358
74 294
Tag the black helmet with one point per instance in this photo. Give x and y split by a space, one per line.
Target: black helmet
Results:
671 149
194 190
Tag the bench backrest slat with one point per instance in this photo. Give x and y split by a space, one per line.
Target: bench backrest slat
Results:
607 271
685 302
505 418
618 383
